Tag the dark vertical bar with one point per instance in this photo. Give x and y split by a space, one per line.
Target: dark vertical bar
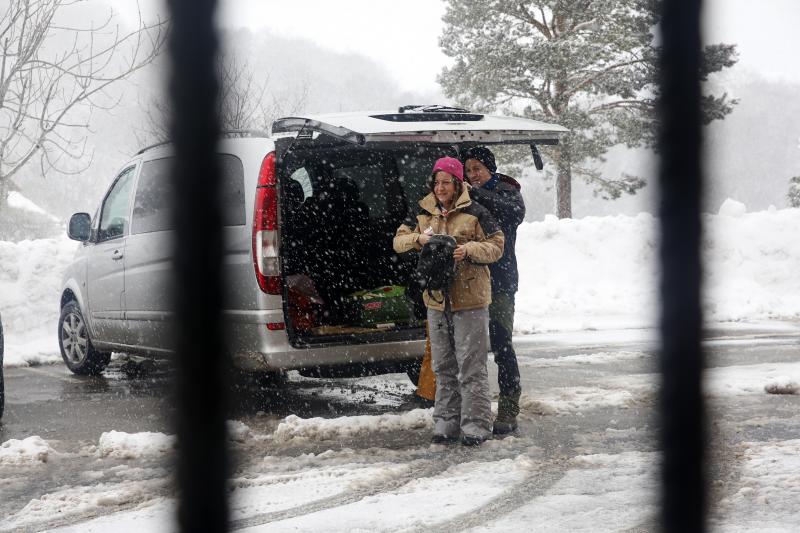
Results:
201 364
682 410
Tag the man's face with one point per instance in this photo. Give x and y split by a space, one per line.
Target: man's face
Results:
444 188
477 173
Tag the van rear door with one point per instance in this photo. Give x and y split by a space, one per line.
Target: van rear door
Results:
384 160
436 127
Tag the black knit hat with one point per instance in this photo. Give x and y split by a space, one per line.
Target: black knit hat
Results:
482 154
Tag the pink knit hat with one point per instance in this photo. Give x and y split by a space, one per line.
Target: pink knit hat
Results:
451 165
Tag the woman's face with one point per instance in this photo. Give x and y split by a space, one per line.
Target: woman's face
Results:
477 173
444 188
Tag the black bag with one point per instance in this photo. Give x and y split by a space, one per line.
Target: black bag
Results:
436 267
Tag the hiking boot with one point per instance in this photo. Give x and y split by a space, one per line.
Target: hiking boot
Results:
443 439
472 440
507 411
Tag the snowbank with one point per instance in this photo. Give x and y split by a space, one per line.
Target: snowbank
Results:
30 288
29 451
320 429
590 273
134 445
601 272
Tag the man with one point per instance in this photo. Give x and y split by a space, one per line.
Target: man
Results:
500 195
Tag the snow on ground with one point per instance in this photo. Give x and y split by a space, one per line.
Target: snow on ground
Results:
459 489
273 492
598 358
134 445
575 274
769 488
560 400
390 390
29 451
596 492
322 429
750 379
719 382
599 493
152 517
634 389
74 501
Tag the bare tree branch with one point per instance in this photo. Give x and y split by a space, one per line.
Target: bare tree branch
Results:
47 89
247 101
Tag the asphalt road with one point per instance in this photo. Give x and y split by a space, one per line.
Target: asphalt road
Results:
73 411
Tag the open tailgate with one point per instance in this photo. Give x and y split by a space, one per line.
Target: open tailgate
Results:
432 127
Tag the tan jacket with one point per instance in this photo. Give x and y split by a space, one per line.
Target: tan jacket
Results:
471 225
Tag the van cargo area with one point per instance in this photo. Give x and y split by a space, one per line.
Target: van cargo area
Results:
340 209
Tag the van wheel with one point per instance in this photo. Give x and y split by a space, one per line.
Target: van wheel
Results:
270 380
76 347
261 379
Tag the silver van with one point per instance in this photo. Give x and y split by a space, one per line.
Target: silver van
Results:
310 211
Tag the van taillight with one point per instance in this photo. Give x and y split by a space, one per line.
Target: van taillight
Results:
265 229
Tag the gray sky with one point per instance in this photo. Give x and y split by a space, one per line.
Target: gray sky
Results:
403 36
767 33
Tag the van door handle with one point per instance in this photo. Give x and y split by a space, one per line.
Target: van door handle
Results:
117 255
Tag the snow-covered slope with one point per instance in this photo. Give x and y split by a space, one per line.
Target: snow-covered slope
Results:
16 199
590 273
601 272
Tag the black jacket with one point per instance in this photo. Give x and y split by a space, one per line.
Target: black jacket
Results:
505 203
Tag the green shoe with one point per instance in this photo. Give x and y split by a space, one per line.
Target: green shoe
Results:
507 411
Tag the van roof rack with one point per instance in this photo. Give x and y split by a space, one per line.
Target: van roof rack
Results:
224 133
430 113
431 108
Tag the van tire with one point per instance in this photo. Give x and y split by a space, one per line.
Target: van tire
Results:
77 350
270 379
261 379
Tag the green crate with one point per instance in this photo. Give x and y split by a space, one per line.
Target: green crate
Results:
382 306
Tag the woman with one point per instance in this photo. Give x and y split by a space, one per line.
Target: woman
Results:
461 350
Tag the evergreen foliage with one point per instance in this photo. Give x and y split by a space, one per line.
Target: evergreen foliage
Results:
587 65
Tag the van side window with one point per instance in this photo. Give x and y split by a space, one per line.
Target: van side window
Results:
151 206
114 212
301 176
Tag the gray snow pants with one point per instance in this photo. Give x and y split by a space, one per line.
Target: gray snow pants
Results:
459 359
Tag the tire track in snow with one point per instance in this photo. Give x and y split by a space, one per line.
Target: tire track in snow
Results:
418 468
537 484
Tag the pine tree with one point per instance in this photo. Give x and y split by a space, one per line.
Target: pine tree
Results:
590 66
